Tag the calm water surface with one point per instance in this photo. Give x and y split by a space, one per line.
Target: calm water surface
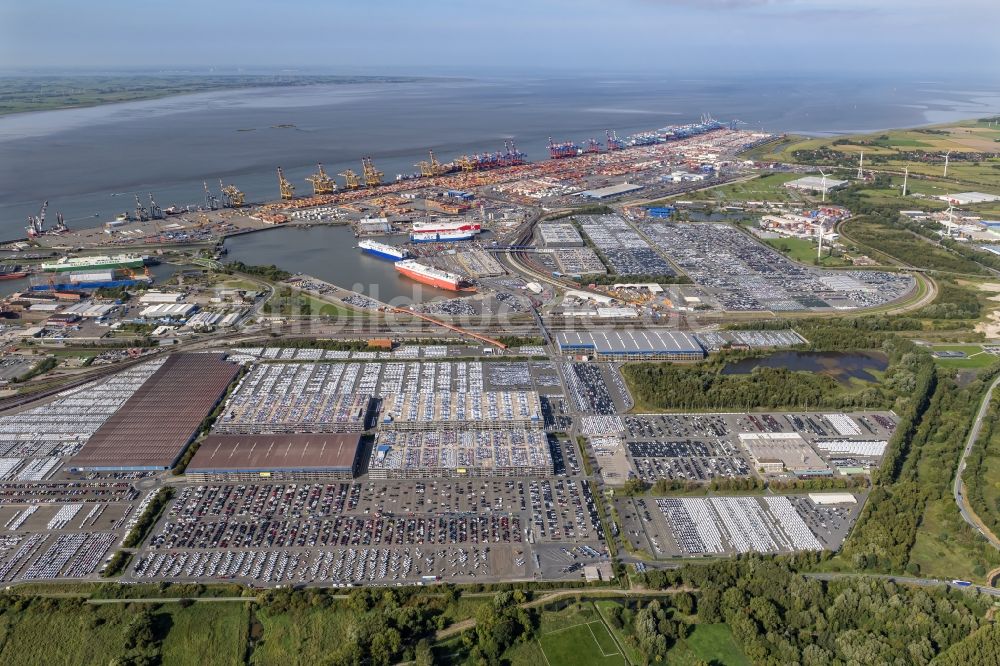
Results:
842 366
89 162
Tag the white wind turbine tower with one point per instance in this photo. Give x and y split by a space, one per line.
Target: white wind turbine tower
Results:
819 232
823 184
951 218
906 174
861 166
945 174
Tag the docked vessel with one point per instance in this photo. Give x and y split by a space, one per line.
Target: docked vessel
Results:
444 232
383 250
447 227
430 275
9 272
93 279
94 263
440 237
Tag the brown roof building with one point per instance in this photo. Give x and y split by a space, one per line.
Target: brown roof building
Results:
302 457
152 428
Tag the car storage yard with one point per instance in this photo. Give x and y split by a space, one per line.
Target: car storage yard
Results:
376 532
63 530
702 447
673 527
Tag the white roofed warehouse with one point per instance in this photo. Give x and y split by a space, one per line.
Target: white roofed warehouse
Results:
632 345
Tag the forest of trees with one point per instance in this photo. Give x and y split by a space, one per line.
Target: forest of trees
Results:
907 247
917 471
983 459
781 617
271 272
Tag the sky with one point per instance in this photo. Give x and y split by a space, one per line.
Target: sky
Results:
703 37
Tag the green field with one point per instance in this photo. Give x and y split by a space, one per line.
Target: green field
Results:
298 304
803 250
631 654
207 634
301 636
975 357
584 644
711 643
769 187
51 633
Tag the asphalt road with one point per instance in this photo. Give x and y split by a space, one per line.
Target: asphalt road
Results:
958 488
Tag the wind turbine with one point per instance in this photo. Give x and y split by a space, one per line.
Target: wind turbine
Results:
951 218
819 232
906 174
861 167
945 174
824 184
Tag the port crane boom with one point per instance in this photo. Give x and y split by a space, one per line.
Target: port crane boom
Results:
431 167
287 189
373 177
351 180
321 182
232 196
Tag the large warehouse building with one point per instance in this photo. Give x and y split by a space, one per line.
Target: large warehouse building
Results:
152 429
632 345
297 457
458 453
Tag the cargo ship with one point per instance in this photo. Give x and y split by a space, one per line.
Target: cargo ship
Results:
8 272
447 227
383 250
102 279
444 232
94 263
430 275
440 237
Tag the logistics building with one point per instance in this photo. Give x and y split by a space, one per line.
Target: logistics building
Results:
294 457
632 345
152 428
610 191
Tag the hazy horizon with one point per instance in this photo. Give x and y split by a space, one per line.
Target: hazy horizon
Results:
446 37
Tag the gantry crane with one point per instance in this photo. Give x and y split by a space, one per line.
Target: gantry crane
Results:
287 189
155 212
322 183
232 196
373 177
36 224
141 213
351 179
430 168
614 143
466 163
211 201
